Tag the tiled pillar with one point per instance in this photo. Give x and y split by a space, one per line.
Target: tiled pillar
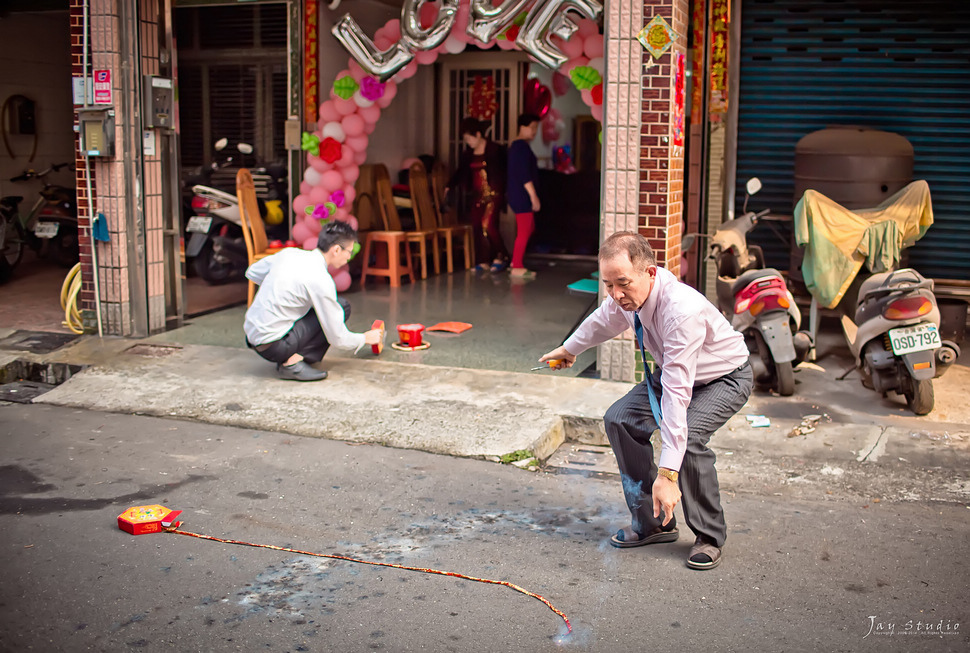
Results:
643 171
126 188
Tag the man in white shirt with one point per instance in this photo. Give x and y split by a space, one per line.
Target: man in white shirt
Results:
296 314
702 379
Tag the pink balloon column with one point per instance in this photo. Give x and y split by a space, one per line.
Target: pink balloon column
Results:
338 147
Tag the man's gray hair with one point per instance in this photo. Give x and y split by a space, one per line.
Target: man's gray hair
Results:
634 245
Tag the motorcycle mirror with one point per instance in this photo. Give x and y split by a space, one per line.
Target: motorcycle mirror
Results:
688 242
753 185
221 144
245 148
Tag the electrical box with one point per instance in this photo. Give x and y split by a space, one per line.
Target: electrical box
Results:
159 102
97 127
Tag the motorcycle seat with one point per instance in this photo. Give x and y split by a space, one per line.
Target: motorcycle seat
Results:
747 277
11 200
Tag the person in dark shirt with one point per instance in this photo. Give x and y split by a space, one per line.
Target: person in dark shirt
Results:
481 170
523 195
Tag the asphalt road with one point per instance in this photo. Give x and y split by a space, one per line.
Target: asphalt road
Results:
808 567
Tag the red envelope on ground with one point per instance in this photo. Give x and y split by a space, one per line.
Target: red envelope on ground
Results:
453 327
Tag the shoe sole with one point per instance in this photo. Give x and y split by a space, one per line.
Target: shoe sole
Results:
656 538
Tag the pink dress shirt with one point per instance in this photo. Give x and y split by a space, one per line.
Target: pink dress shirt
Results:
688 338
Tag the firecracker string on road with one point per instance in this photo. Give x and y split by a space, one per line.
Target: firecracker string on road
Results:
521 590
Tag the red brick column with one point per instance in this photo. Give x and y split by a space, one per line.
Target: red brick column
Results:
661 202
86 297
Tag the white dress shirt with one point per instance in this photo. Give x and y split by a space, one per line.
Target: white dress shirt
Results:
291 282
688 338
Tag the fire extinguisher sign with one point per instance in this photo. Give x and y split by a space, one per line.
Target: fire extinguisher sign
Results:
102 87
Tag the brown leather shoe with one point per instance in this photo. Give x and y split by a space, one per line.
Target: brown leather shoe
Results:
703 555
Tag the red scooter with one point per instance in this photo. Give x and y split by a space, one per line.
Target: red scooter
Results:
758 303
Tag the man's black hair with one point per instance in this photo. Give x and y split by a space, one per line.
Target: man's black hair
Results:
472 126
527 119
336 232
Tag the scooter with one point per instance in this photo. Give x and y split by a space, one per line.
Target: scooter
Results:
894 337
216 247
757 302
49 228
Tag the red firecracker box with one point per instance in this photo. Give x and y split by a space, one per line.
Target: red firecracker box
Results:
148 519
378 348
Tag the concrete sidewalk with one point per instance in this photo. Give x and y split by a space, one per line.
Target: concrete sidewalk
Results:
486 413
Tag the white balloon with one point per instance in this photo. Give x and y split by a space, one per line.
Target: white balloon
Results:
311 176
596 63
454 45
361 101
335 131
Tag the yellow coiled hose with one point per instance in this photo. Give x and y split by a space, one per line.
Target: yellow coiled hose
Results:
70 290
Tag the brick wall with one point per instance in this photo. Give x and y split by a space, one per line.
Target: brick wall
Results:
643 177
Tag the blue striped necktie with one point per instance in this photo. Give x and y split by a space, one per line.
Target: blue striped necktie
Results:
654 404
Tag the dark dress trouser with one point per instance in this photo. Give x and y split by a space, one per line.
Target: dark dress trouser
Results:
629 426
305 338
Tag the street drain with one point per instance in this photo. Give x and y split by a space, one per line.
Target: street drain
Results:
152 351
21 380
38 342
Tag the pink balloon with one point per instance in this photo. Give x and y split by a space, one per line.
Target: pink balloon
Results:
461 21
560 84
408 71
305 188
587 96
425 56
328 112
353 125
427 14
349 194
312 224
597 111
586 27
573 47
318 164
393 29
330 181
301 232
344 107
352 221
300 204
369 128
360 158
390 90
350 173
356 71
382 43
346 156
370 114
593 46
310 243
357 143
320 194
505 44
343 280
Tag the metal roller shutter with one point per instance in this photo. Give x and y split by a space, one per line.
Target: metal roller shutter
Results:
895 65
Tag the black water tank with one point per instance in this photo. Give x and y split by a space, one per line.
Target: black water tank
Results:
858 167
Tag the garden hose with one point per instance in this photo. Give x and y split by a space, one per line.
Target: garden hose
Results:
70 290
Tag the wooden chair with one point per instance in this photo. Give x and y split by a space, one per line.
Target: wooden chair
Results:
254 232
380 242
422 233
447 221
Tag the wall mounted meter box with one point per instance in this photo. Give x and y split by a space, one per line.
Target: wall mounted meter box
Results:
97 127
159 102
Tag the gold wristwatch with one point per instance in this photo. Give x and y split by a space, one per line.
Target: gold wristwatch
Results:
669 473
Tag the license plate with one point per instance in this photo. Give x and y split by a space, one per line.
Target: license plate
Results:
199 224
906 340
46 229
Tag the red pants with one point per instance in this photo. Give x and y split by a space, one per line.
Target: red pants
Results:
524 226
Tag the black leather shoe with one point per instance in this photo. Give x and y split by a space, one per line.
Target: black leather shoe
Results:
300 371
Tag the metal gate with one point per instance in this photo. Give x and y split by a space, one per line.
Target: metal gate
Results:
895 65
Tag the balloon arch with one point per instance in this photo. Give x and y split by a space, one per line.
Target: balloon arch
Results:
338 147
